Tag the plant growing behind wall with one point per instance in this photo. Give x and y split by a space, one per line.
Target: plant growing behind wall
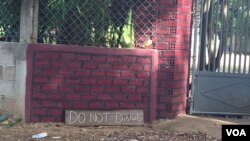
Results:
107 23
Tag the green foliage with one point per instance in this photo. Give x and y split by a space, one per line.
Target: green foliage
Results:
10 19
86 22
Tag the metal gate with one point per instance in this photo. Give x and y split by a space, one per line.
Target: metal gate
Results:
221 57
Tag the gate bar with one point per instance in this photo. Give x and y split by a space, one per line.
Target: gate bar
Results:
225 17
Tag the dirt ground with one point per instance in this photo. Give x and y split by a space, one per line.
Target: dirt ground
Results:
184 128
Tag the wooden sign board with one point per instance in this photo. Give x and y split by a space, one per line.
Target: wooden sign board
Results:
92 118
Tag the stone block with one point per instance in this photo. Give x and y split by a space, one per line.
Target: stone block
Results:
9 73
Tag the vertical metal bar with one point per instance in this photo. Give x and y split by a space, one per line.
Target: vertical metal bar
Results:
246 37
225 37
194 65
216 34
206 39
240 32
236 31
247 33
210 36
231 39
222 37
201 23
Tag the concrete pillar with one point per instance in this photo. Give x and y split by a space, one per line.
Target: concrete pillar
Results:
28 34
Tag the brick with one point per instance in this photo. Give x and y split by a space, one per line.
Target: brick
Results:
96 105
97 89
90 65
39 55
36 88
98 73
35 119
114 59
57 80
48 104
44 63
165 99
60 64
50 87
74 81
120 97
115 74
161 107
104 97
99 58
129 59
88 96
82 89
104 81
81 72
49 71
142 106
143 75
48 119
80 104
179 99
72 96
174 84
41 79
66 72
120 82
83 57
161 91
134 98
120 67
136 67
112 105
73 64
142 90
35 104
111 89
56 96
64 104
38 112
136 82
68 56
146 98
146 83
147 68
52 56
128 74
144 60
127 105
178 107
105 66
89 81
65 88
128 89
55 112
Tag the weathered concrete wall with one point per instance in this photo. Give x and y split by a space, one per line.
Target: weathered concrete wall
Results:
7 77
13 62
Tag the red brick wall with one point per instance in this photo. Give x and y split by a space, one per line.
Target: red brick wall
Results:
81 78
64 77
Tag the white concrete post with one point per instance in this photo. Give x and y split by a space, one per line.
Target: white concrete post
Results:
28 34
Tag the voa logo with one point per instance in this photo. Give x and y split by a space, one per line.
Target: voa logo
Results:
236 132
